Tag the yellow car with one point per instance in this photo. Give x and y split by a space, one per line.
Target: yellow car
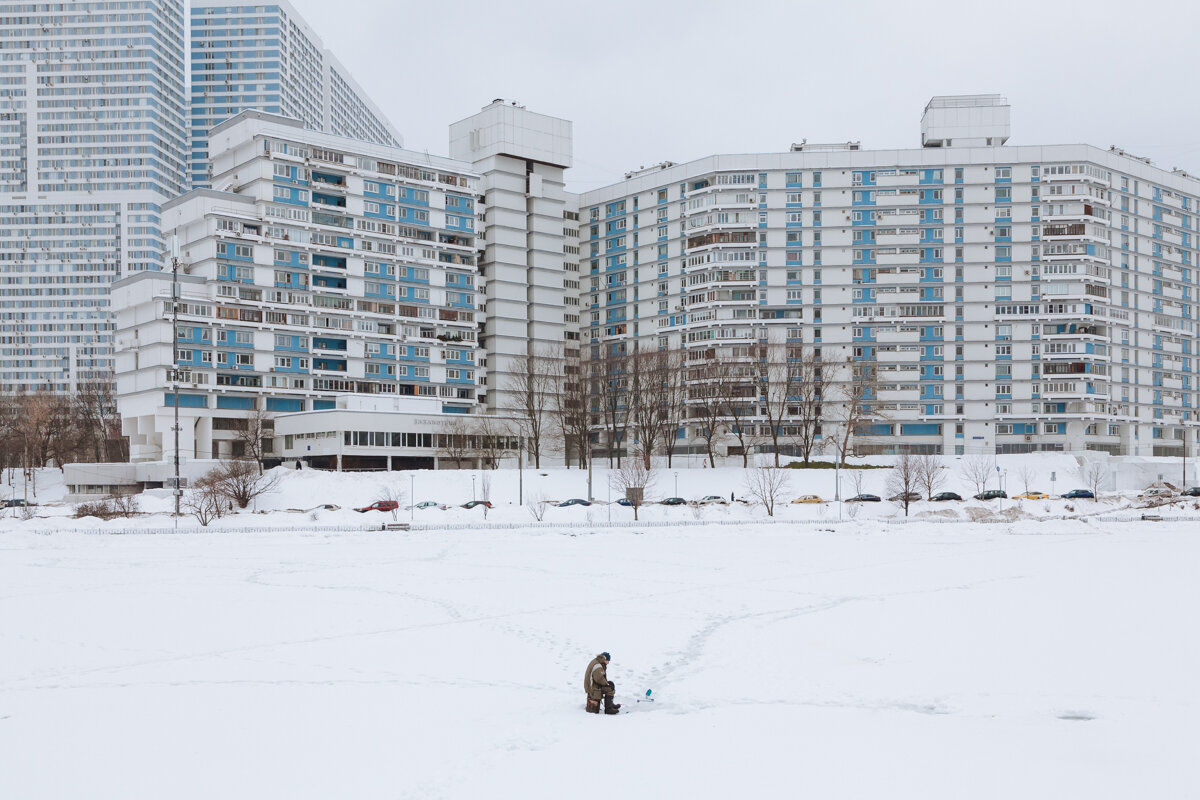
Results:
808 498
1033 496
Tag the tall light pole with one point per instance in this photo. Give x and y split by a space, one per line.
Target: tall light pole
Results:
175 362
412 499
520 470
677 484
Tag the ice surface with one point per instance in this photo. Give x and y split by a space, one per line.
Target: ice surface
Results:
1025 659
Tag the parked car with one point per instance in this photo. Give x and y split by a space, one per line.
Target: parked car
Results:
427 504
473 503
808 498
1079 494
1033 496
674 501
864 498
1191 491
574 501
991 494
911 497
624 501
943 496
380 505
1157 491
714 499
17 502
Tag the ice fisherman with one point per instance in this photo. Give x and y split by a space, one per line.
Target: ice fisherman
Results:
597 685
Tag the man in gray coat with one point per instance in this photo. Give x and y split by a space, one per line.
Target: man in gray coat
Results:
597 685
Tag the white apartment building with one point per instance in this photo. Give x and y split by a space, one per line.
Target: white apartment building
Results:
529 250
91 143
1003 298
330 267
267 57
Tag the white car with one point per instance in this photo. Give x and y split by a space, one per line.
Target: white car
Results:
713 500
1157 491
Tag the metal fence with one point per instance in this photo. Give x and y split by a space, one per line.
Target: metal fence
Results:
622 524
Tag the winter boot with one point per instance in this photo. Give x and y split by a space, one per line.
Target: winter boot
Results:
593 706
609 706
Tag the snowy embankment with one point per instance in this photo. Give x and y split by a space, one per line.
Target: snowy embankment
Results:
951 661
297 500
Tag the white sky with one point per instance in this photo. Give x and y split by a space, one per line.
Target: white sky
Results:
665 80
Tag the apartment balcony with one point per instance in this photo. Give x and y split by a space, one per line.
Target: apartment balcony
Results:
898 356
896 395
896 259
1073 332
898 239
896 336
900 218
896 181
899 199
897 278
1173 384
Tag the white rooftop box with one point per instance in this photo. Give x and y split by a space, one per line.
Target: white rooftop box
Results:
970 120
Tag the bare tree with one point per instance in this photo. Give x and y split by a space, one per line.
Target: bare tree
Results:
240 482
903 480
648 412
1026 473
633 478
257 427
94 411
394 492
570 406
490 438
739 390
856 480
485 491
766 485
977 470
1093 473
531 386
454 439
674 392
779 378
808 398
930 475
705 403
611 387
856 407
536 506
204 501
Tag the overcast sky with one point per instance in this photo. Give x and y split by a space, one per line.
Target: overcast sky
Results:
659 80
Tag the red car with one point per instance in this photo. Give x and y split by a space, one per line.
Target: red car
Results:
380 505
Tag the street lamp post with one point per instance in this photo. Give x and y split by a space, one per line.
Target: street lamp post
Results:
472 486
412 498
175 363
677 484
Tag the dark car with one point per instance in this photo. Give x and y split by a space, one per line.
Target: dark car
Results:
864 498
911 497
1078 494
18 502
380 505
943 496
473 503
624 501
674 501
1191 491
574 501
991 494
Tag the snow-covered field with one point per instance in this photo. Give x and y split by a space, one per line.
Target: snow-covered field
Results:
854 660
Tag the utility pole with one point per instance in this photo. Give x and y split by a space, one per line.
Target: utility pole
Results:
175 362
589 463
520 470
